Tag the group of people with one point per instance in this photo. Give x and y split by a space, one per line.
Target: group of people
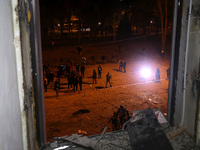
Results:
94 76
74 80
157 74
119 118
122 64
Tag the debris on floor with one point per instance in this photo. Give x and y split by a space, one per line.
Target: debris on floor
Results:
147 128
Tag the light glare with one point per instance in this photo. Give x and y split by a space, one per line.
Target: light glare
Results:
145 72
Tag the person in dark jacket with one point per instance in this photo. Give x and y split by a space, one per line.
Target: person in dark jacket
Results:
80 82
57 86
123 115
99 72
45 85
124 65
94 76
77 68
75 83
82 70
108 77
115 122
168 73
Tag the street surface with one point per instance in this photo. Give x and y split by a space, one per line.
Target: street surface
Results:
130 89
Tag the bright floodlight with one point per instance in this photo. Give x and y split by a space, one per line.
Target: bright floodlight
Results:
145 72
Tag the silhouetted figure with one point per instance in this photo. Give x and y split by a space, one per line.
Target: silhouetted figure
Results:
75 83
99 71
124 65
80 82
57 86
157 74
69 80
68 67
108 77
45 85
94 76
123 115
82 70
72 78
77 68
83 59
168 73
120 65
79 50
50 77
115 122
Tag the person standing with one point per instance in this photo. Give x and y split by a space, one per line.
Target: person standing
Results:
115 122
124 65
75 83
168 73
157 74
108 77
57 86
94 77
99 72
120 65
80 81
123 115
77 68
82 70
45 85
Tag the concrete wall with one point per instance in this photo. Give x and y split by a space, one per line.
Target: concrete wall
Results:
10 115
192 69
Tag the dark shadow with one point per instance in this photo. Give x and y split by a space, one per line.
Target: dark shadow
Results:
63 88
99 87
87 83
70 90
117 70
63 83
80 111
89 77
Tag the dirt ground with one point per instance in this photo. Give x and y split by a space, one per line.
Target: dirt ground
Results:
128 89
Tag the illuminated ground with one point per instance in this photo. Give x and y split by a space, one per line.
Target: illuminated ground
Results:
129 89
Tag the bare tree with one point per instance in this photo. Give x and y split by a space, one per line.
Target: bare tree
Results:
163 13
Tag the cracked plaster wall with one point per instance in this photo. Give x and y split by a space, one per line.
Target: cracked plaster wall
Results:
192 68
10 115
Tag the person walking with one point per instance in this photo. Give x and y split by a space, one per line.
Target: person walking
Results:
108 77
82 70
57 86
94 77
99 71
80 81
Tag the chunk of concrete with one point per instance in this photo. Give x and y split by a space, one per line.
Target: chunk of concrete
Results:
146 133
